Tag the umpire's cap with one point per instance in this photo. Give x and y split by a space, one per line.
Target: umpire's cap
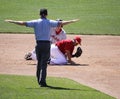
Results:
43 12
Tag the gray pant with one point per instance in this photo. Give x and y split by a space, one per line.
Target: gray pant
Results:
43 54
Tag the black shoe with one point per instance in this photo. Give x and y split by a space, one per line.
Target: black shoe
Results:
43 85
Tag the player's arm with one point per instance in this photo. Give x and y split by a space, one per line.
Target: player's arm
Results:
16 22
69 57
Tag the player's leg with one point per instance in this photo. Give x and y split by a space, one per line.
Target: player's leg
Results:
57 57
33 56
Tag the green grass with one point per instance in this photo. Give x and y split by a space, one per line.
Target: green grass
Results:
96 16
26 87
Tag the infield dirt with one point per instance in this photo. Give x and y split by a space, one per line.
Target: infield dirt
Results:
98 67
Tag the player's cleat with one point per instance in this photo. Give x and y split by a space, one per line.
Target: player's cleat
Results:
28 56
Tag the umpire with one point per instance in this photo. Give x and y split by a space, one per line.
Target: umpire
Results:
42 28
42 33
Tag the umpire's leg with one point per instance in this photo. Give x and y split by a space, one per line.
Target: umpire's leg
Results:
43 54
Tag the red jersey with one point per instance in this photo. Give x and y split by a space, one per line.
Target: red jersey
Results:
65 45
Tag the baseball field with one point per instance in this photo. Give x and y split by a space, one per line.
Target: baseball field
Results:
98 67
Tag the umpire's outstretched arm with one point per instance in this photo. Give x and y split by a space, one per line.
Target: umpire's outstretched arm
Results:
23 23
16 22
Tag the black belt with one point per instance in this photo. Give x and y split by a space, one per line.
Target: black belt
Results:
42 41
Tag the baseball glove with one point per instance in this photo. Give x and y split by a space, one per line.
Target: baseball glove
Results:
77 53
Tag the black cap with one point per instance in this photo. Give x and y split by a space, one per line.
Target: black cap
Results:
43 12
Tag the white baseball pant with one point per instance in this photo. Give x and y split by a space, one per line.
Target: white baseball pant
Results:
57 57
33 56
